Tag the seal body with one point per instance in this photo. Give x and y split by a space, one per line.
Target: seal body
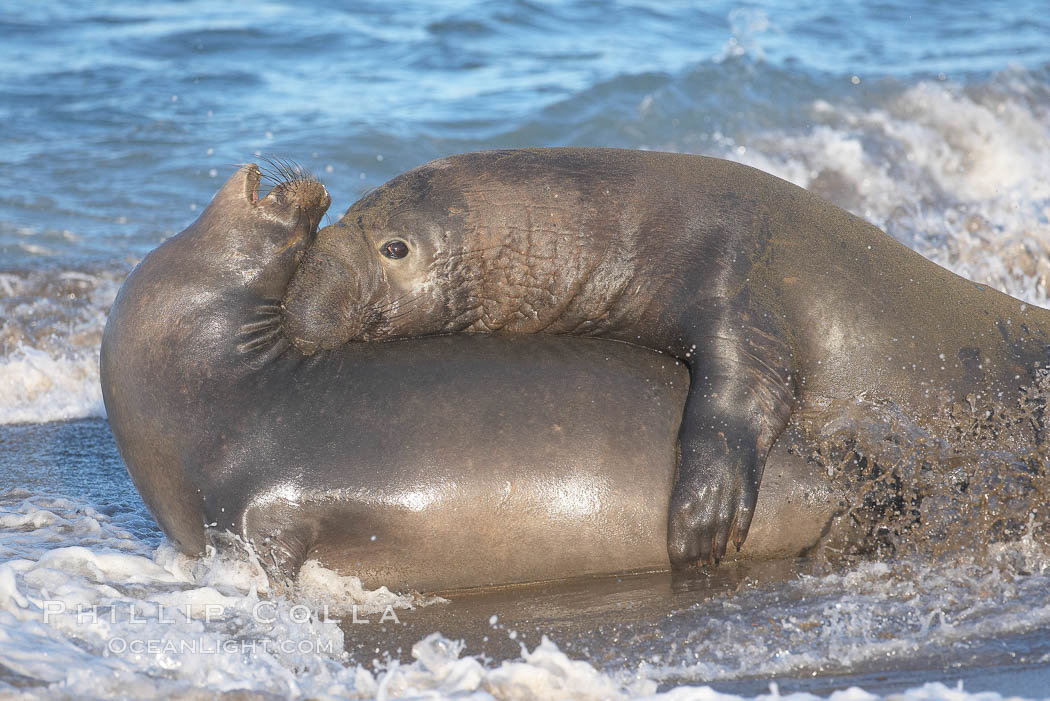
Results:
776 300
432 464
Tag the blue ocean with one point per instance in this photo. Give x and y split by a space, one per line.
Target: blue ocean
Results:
118 122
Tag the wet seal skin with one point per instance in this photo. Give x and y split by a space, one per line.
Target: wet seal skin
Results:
777 301
180 332
428 464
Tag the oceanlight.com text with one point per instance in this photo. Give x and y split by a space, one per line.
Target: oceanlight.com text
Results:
211 646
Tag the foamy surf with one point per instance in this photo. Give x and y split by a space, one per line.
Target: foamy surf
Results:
36 386
959 172
87 609
51 324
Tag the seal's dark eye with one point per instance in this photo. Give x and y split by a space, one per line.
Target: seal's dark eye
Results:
395 249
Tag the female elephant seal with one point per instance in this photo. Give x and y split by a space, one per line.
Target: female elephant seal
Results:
776 300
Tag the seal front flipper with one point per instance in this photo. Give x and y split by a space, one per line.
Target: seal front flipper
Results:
282 551
736 408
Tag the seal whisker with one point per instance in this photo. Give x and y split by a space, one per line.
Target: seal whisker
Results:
270 173
256 326
280 170
292 168
287 171
378 317
267 311
258 341
279 165
270 354
395 317
381 315
298 171
400 303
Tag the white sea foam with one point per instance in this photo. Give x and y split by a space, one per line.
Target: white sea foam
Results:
875 613
51 325
36 386
88 610
961 174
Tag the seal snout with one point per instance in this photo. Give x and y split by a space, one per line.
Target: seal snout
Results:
316 308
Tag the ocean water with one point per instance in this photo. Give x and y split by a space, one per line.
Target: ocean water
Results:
119 120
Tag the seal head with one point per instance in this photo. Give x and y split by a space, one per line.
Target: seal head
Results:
384 271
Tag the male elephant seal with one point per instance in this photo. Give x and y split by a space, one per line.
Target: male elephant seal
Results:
776 300
431 464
